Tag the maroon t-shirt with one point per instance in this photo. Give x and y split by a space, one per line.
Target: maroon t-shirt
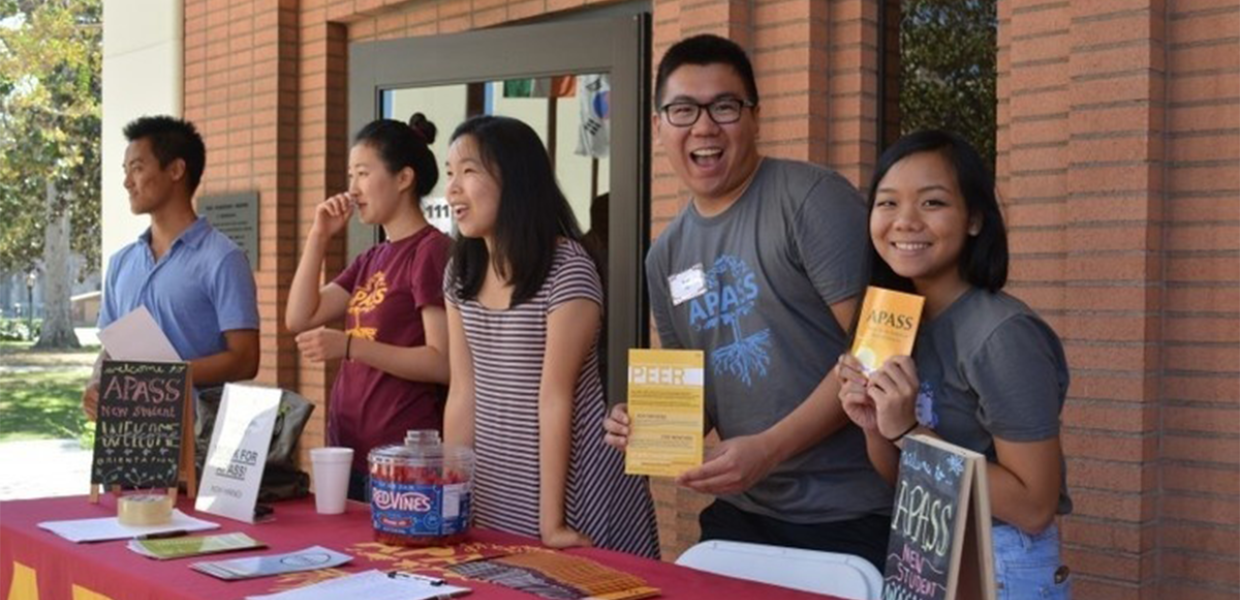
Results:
388 287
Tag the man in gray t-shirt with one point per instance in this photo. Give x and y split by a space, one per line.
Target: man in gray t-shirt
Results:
762 271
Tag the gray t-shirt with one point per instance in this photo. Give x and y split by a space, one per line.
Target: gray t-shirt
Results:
795 242
989 367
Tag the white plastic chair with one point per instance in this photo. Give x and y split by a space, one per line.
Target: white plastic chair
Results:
836 574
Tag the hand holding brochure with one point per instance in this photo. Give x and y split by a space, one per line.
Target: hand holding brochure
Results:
666 406
887 326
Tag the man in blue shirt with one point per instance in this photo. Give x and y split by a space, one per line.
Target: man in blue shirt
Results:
195 282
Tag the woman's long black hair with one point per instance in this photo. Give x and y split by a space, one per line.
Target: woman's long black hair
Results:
533 212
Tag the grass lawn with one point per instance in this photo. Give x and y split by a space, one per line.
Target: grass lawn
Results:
42 405
41 397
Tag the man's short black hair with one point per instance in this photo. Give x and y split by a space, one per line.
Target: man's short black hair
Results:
172 138
703 50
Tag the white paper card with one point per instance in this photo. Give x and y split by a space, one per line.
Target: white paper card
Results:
239 444
136 336
109 528
371 585
687 285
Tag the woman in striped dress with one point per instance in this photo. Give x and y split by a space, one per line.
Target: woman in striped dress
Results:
524 314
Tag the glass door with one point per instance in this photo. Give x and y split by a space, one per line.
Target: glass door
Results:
583 86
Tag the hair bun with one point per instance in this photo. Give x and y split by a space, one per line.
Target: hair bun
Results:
423 127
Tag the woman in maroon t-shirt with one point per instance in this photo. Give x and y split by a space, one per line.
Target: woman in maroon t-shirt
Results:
395 345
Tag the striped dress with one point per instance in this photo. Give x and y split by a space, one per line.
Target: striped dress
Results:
507 347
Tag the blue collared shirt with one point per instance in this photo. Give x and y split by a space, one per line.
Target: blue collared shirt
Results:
200 288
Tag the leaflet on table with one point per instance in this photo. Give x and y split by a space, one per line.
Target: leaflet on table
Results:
309 559
181 547
371 585
666 405
109 528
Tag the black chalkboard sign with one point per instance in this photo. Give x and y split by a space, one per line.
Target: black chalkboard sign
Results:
940 489
142 432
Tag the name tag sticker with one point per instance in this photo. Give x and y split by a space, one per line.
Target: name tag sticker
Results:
687 285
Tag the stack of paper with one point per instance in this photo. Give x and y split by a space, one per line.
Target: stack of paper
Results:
314 557
109 528
558 575
180 547
372 585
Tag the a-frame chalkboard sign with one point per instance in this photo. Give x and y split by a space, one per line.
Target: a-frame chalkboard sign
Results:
940 546
144 428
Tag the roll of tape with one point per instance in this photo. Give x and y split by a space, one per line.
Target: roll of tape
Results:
144 509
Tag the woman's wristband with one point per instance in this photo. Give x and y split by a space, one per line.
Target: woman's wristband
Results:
906 432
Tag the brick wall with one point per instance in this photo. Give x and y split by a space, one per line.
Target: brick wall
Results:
1199 454
1119 137
1080 171
239 93
1118 167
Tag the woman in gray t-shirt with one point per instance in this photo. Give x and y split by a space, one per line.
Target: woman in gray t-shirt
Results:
987 373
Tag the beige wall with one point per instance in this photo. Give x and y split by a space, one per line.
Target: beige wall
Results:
142 74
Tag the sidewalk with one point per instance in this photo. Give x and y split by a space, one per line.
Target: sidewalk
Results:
43 468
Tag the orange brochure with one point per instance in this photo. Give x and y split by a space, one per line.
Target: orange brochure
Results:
666 411
887 326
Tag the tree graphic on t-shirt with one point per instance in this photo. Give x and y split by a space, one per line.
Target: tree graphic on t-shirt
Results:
365 299
732 293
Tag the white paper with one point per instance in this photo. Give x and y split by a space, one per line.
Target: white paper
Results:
238 454
371 585
687 285
308 559
136 336
109 528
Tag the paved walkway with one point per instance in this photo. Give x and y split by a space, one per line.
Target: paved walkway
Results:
43 468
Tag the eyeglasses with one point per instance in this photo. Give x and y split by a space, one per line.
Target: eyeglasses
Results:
683 113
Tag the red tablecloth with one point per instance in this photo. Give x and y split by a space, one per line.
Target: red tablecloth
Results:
113 572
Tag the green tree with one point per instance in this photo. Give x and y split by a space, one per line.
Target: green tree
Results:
50 94
948 53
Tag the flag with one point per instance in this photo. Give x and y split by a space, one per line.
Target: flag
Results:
595 102
563 86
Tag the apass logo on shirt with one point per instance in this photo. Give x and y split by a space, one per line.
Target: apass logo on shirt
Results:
732 293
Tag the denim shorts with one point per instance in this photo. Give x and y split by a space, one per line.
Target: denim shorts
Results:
1027 566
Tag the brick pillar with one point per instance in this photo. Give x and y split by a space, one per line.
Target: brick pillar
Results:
1080 170
852 110
1199 474
322 121
236 92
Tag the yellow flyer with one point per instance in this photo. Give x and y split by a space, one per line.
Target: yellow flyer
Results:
887 326
667 390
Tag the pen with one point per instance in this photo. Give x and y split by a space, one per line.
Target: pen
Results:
162 534
403 575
